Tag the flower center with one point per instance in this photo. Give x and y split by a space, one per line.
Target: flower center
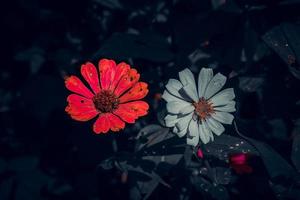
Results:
203 108
106 101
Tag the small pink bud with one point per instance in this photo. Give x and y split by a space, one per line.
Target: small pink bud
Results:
199 153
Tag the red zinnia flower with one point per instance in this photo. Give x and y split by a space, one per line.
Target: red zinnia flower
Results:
113 96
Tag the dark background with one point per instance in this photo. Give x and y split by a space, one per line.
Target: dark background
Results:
44 154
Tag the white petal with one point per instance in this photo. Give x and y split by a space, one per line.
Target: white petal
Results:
171 120
204 77
209 131
184 122
180 133
192 141
173 86
186 76
215 85
223 117
193 129
169 97
187 79
223 97
229 107
187 109
190 91
204 133
175 106
215 126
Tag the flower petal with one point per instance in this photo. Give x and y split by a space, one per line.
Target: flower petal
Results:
204 133
223 97
169 97
74 84
121 69
102 124
138 91
130 111
193 133
180 133
187 79
209 131
215 126
187 109
90 74
189 90
174 107
171 120
223 117
173 86
107 69
183 122
215 85
205 75
229 107
129 79
116 123
80 108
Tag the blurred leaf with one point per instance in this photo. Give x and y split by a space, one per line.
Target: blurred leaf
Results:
145 181
156 152
58 188
296 145
250 84
3 165
285 41
219 192
159 145
284 193
35 57
222 175
274 163
279 129
149 46
29 184
210 190
292 34
23 164
45 87
217 3
112 4
6 189
147 135
223 145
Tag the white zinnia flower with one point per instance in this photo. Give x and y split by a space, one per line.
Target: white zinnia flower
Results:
198 112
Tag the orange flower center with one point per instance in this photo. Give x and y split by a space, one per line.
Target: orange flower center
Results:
203 108
106 101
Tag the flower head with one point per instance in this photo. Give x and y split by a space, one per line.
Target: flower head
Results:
114 95
198 112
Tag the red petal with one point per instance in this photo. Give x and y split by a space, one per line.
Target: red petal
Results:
238 159
127 81
129 112
115 122
121 69
102 124
74 84
90 74
107 70
80 108
138 91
